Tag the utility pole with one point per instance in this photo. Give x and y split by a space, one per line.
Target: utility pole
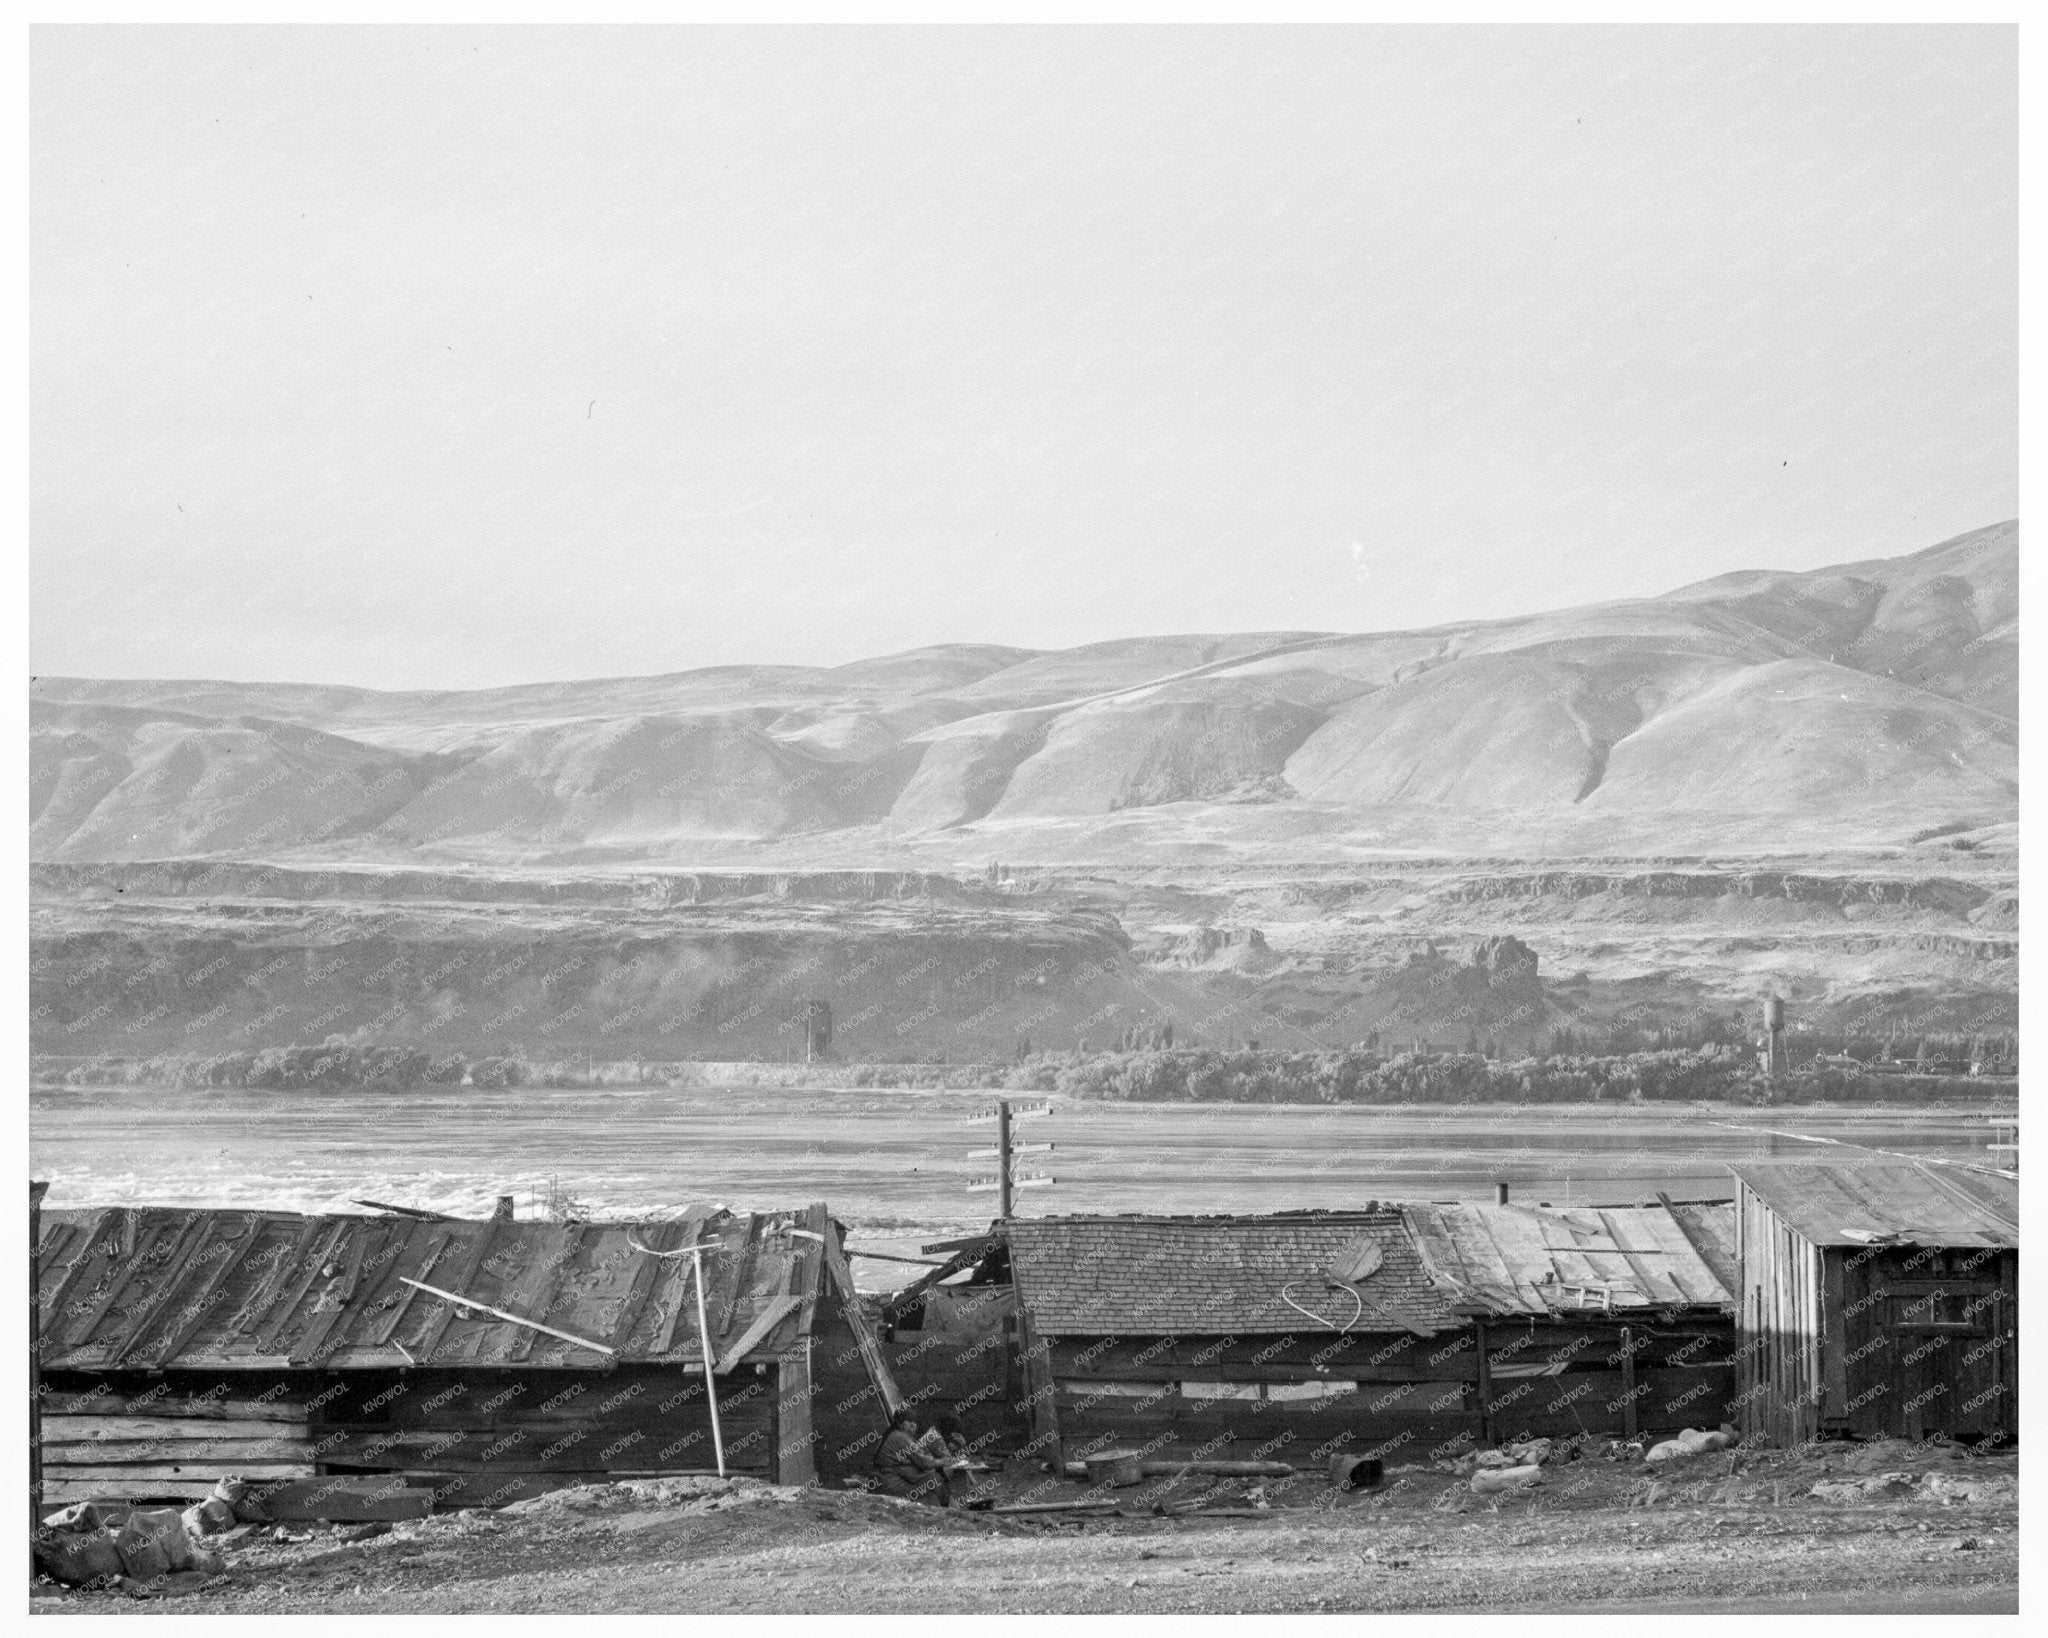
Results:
1007 1182
35 1365
1007 1178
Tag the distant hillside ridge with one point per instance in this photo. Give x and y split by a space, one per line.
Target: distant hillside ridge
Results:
1864 702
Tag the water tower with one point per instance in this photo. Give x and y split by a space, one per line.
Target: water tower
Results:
1774 1034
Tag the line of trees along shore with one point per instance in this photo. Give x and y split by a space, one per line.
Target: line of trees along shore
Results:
1716 1074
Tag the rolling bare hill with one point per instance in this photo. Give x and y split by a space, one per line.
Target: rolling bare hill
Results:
1845 705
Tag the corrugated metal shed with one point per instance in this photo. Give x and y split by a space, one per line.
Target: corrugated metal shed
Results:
1194 1276
162 1288
1890 1199
1545 1260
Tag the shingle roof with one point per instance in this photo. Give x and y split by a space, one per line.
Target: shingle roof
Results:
1920 1204
1543 1260
1194 1276
155 1288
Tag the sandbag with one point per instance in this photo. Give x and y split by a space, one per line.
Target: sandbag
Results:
78 1557
208 1518
91 1515
153 1542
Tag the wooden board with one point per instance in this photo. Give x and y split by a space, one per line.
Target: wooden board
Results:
183 1452
795 1460
63 1492
344 1500
177 1470
777 1309
214 1410
69 1429
863 1333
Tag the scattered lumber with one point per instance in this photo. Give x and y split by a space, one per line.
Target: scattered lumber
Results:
1060 1507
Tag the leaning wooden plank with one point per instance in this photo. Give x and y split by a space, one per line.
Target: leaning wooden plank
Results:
215 1410
499 1313
917 1288
863 1334
778 1309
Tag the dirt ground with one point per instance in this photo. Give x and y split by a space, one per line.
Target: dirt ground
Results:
1926 1529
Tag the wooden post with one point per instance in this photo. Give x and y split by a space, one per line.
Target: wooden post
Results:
704 1342
36 1192
790 1418
1483 1377
1003 1158
1039 1390
1628 1383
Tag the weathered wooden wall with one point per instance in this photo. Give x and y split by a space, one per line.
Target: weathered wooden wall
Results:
968 1370
1419 1397
475 1435
1897 1341
1779 1312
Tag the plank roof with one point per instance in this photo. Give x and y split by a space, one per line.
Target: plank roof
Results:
1906 1200
155 1288
1541 1260
1195 1276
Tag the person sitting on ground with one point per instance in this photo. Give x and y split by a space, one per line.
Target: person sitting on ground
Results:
904 1467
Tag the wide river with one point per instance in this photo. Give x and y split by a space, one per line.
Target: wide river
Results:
897 1166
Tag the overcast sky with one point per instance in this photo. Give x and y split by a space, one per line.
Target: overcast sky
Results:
447 358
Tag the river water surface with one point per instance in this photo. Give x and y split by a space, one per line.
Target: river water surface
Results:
896 1166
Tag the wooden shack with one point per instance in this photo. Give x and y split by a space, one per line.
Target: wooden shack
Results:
483 1361
1414 1331
1877 1299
